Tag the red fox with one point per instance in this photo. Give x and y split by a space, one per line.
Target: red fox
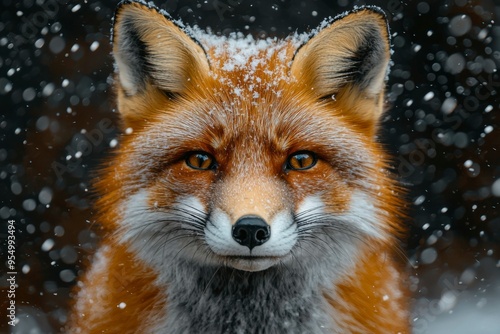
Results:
249 193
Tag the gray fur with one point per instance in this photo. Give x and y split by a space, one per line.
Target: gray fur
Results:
205 296
209 300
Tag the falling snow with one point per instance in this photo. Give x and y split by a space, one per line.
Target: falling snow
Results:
59 123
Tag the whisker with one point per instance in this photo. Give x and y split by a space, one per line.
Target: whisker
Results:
211 279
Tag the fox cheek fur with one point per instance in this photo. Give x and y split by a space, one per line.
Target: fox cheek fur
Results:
251 174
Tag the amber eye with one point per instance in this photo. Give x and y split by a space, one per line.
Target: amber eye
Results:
200 161
301 160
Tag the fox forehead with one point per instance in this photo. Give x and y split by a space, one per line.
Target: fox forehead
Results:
271 126
250 98
250 110
250 67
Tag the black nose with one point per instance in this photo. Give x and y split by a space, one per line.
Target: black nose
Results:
251 231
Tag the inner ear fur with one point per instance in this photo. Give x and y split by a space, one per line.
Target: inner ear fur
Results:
348 60
151 50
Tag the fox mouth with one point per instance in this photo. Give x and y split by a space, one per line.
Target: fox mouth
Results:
252 258
253 263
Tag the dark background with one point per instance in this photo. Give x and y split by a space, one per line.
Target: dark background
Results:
442 129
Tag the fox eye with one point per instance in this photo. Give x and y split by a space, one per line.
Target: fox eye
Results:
200 161
301 160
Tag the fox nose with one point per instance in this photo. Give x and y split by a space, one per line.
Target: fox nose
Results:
251 231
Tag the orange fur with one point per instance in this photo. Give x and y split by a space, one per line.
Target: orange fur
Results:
250 118
373 307
112 303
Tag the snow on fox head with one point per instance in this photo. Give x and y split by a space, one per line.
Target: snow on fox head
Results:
249 153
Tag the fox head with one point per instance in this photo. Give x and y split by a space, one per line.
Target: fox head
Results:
249 153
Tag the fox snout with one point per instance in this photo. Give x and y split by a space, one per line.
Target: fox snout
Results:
251 225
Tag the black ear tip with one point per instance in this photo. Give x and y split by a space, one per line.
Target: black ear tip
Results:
382 15
149 5
126 3
118 9
138 4
384 22
372 9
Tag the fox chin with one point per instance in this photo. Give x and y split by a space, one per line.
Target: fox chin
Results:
249 192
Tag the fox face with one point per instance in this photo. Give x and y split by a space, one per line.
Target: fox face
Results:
249 193
249 154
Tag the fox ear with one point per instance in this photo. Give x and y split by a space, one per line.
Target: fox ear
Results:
149 48
350 56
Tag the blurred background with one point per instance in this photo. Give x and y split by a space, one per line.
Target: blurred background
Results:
58 122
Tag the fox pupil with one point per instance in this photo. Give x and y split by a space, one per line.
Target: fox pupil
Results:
200 161
301 161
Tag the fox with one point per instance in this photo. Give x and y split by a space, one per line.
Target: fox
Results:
249 192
